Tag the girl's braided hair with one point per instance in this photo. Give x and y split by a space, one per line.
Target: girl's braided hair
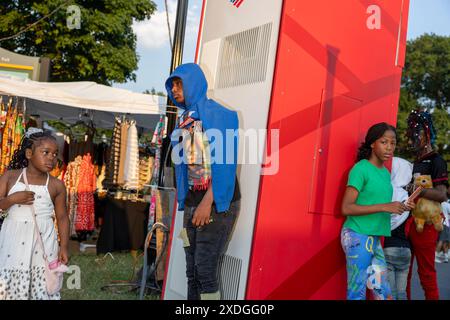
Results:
421 120
29 141
374 133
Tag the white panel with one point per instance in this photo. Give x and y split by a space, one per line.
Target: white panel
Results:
176 286
208 61
243 59
251 101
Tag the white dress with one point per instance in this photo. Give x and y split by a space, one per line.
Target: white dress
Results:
21 257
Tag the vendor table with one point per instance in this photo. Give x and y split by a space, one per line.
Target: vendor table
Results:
124 225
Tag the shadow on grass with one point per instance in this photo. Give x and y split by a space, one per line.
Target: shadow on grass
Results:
99 271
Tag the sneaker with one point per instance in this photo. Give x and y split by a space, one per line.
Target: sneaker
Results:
439 257
445 258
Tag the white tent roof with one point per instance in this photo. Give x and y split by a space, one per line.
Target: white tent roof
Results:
57 100
84 94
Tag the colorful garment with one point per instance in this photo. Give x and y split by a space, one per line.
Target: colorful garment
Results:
71 183
7 139
3 113
87 184
214 117
374 187
19 131
197 153
112 168
145 171
366 266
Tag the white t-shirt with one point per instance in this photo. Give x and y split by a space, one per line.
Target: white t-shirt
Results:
446 211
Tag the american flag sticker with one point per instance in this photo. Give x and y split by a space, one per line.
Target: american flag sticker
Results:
236 3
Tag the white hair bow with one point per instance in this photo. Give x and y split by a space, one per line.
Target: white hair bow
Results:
32 131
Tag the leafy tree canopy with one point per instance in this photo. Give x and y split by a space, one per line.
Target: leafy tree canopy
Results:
103 49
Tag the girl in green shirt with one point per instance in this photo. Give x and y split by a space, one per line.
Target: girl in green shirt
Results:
367 206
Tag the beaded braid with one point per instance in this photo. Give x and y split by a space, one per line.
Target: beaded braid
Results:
421 120
19 159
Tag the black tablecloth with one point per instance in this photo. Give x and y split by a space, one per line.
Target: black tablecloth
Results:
124 226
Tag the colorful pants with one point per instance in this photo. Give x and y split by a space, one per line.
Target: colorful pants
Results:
366 266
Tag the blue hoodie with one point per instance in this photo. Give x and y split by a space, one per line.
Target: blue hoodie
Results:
213 116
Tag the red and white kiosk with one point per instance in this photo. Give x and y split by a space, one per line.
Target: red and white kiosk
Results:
320 73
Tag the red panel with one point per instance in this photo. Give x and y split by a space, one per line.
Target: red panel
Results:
334 78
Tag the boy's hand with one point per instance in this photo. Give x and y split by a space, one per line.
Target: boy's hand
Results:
22 197
63 255
201 215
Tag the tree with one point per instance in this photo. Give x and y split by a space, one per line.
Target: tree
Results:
103 49
426 76
426 85
153 92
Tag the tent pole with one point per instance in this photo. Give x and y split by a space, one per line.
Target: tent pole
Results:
177 59
177 54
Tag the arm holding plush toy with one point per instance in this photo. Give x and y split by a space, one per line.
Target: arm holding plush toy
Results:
438 193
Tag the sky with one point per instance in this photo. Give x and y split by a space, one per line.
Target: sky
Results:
425 16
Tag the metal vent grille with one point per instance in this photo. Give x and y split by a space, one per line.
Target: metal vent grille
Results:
244 57
229 277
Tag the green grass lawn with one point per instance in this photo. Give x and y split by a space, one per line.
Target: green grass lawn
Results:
99 271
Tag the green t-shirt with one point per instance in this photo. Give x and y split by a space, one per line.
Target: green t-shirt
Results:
374 187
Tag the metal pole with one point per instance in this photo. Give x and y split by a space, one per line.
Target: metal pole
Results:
177 55
177 59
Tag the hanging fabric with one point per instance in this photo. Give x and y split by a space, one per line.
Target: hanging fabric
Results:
3 114
80 181
12 129
145 171
71 183
123 152
85 218
131 174
157 143
112 168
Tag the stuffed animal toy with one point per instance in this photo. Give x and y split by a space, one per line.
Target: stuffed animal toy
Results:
426 211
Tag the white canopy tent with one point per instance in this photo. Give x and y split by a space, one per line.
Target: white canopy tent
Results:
67 100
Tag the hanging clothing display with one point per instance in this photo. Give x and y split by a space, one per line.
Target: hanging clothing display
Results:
123 152
101 178
112 169
81 144
80 181
157 142
12 131
145 171
71 183
85 220
131 174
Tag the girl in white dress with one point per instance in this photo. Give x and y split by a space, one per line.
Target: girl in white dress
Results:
21 256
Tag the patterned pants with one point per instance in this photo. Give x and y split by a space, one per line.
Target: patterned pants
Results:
366 266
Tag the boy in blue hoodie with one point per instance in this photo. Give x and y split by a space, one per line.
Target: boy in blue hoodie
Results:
205 155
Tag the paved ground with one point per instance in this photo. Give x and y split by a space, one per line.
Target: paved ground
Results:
443 270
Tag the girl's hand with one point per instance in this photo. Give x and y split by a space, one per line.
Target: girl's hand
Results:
22 197
63 255
410 205
395 207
